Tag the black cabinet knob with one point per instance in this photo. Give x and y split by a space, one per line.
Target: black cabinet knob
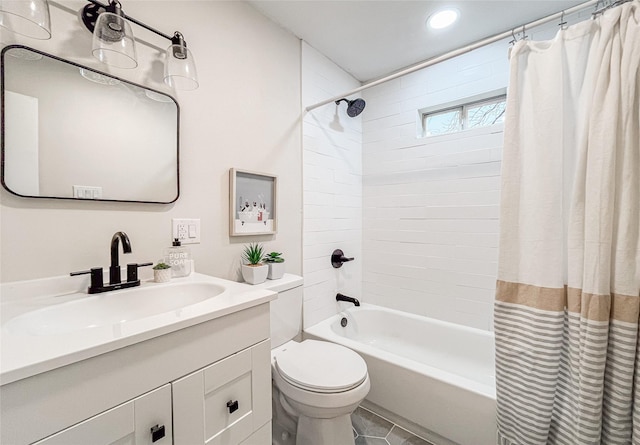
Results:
233 406
157 433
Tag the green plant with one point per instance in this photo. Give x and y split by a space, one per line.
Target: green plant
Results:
161 266
274 257
253 254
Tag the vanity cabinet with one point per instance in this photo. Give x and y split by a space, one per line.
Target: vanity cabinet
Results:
222 404
183 380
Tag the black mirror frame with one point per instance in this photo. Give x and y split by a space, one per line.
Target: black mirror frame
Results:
2 128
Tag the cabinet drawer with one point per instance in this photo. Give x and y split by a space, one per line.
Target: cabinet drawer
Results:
226 402
126 424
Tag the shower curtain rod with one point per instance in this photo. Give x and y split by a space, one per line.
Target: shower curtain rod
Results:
458 52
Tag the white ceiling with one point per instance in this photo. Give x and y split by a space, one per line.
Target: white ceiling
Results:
373 38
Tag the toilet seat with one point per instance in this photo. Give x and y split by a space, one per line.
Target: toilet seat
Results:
320 366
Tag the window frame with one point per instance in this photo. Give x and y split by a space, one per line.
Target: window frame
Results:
463 105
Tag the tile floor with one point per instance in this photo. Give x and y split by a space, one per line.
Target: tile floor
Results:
371 429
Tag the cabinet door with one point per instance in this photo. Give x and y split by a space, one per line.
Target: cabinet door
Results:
145 420
226 402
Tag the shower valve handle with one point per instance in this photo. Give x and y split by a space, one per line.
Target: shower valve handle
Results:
338 258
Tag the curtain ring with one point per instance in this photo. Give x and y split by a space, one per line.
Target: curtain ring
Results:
513 34
562 21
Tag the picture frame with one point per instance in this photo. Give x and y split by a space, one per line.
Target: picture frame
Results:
252 203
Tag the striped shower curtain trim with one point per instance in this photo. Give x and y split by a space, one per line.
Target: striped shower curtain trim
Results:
560 353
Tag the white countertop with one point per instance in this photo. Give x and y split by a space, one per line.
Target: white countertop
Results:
23 355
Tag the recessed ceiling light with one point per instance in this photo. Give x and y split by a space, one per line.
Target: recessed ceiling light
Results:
442 19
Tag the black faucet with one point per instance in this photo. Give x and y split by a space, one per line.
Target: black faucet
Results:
114 269
340 297
115 281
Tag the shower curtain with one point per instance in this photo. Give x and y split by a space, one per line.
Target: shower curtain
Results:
568 292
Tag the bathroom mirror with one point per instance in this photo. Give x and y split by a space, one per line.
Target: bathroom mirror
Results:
72 132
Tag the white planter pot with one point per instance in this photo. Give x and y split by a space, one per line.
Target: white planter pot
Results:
255 274
161 275
276 271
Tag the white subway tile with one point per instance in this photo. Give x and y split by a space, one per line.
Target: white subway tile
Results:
322 313
477 267
475 280
374 265
318 276
318 198
477 253
391 87
339 236
315 265
477 294
317 250
375 247
479 239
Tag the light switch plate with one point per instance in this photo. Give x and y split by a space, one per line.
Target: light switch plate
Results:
186 230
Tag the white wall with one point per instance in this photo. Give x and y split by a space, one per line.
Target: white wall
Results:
246 114
332 170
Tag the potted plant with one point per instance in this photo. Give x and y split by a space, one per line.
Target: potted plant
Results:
276 265
253 270
161 272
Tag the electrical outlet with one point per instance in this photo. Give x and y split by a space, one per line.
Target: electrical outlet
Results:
87 192
186 230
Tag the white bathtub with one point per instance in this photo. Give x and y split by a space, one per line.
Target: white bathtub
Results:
435 374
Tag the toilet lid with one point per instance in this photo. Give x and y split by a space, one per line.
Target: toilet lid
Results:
321 366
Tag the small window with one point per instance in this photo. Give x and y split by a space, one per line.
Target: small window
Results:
484 114
463 115
443 122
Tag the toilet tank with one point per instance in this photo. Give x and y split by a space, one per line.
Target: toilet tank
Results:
286 310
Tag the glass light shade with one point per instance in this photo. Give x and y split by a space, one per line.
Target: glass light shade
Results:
180 68
26 17
113 41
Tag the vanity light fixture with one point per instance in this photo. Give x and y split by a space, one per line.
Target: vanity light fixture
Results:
26 17
443 18
180 68
113 38
113 43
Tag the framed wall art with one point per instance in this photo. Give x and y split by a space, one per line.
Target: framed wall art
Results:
252 203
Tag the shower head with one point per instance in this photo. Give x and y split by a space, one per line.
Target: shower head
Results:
354 107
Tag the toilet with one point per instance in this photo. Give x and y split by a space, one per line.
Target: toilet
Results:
316 385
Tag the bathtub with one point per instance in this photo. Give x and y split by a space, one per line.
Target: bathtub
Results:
437 375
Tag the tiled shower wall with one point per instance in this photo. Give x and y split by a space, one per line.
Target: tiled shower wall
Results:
332 188
431 205
419 214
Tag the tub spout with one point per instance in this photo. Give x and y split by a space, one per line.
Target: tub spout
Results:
340 297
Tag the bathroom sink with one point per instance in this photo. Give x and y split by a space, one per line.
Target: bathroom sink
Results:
113 308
